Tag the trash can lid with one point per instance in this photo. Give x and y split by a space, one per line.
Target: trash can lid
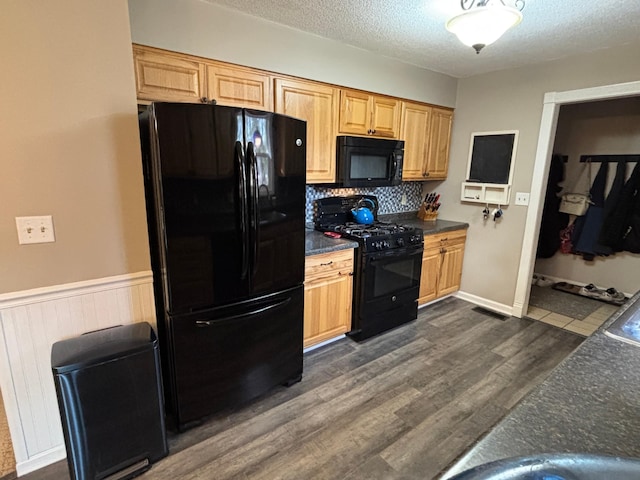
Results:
101 346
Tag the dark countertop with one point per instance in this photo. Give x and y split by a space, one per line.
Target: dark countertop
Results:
590 403
411 219
316 242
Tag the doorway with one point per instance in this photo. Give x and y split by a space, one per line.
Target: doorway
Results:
546 137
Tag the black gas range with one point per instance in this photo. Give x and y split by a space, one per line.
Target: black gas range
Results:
388 264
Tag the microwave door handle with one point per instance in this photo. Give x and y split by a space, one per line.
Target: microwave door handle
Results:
394 165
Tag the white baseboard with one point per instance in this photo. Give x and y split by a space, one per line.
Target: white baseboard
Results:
483 302
31 321
41 460
323 343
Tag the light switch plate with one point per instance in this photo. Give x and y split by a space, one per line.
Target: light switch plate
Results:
35 229
522 198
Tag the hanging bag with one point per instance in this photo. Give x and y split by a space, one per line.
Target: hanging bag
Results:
577 203
574 203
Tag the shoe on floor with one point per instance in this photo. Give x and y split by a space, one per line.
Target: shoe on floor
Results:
545 282
614 294
591 291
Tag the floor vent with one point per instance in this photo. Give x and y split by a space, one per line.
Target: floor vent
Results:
489 313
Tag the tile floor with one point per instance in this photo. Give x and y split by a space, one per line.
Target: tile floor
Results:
584 327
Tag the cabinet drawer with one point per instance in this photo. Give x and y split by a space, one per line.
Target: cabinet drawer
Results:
445 239
325 265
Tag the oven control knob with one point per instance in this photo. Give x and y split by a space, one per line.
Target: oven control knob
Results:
385 244
401 242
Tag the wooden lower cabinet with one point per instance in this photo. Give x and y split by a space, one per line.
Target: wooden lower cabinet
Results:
441 265
328 290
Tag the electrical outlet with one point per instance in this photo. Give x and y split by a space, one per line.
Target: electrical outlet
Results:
403 200
35 229
522 198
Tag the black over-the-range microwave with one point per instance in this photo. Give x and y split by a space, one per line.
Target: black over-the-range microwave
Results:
369 162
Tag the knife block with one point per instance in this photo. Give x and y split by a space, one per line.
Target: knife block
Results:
425 215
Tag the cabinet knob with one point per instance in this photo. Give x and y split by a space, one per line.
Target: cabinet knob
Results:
373 131
426 174
204 100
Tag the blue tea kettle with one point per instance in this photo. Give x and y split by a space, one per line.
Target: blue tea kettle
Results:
361 214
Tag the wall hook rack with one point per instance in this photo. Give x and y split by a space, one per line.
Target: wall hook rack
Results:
609 158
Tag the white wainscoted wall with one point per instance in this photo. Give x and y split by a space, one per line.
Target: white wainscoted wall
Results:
30 323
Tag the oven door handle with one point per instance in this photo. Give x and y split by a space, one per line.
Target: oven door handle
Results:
395 254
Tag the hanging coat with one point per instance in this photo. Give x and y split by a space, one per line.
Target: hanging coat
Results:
631 241
614 226
610 203
588 240
553 221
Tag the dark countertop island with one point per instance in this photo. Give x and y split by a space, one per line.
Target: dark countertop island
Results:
589 404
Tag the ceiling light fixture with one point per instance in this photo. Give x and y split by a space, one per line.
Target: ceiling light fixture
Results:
487 22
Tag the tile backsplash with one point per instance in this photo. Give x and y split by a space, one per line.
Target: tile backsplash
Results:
390 198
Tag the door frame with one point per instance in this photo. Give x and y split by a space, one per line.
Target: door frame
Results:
546 137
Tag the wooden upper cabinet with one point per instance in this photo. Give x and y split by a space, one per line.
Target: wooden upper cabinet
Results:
385 116
439 142
416 124
426 132
239 87
317 104
166 77
177 77
365 114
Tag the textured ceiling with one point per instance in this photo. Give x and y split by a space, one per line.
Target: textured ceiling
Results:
413 31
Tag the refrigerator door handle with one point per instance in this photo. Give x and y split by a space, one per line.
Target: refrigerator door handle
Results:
218 321
242 194
253 187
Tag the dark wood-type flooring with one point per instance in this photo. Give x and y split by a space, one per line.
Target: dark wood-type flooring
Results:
403 405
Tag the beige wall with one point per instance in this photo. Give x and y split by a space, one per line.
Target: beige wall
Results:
200 28
505 100
69 142
605 128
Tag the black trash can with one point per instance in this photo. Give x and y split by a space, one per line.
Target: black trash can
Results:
110 399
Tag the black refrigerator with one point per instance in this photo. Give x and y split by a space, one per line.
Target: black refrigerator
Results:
225 192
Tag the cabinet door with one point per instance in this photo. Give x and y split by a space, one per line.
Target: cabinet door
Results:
239 87
429 275
355 112
317 104
167 77
450 269
327 296
385 119
439 140
416 121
